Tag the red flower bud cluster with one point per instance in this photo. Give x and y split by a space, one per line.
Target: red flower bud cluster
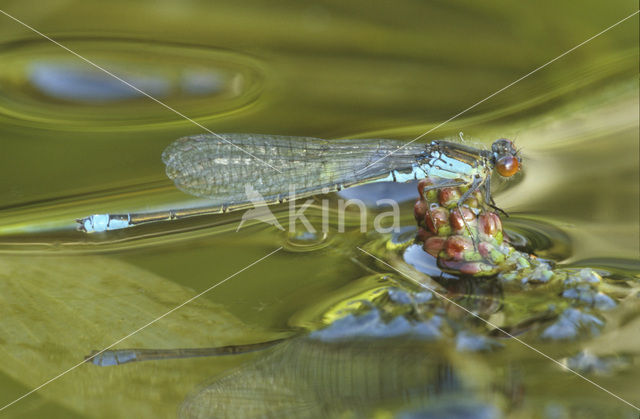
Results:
464 239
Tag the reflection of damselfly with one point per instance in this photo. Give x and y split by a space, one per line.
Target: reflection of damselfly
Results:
124 356
209 167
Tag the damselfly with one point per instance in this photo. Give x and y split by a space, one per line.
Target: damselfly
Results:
219 167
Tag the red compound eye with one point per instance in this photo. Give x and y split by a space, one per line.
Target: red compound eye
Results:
508 166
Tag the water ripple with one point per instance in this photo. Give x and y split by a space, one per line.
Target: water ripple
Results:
43 85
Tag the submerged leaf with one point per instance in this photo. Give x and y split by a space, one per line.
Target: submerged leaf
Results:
56 310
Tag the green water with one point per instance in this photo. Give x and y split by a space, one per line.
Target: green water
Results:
75 143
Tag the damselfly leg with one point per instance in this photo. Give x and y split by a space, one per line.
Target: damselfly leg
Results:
488 198
477 183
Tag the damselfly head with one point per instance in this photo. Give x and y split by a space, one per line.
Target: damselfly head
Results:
505 157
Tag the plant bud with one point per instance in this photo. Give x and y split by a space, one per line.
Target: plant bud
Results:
456 218
420 210
489 223
430 195
476 268
423 234
437 221
433 245
448 197
456 247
